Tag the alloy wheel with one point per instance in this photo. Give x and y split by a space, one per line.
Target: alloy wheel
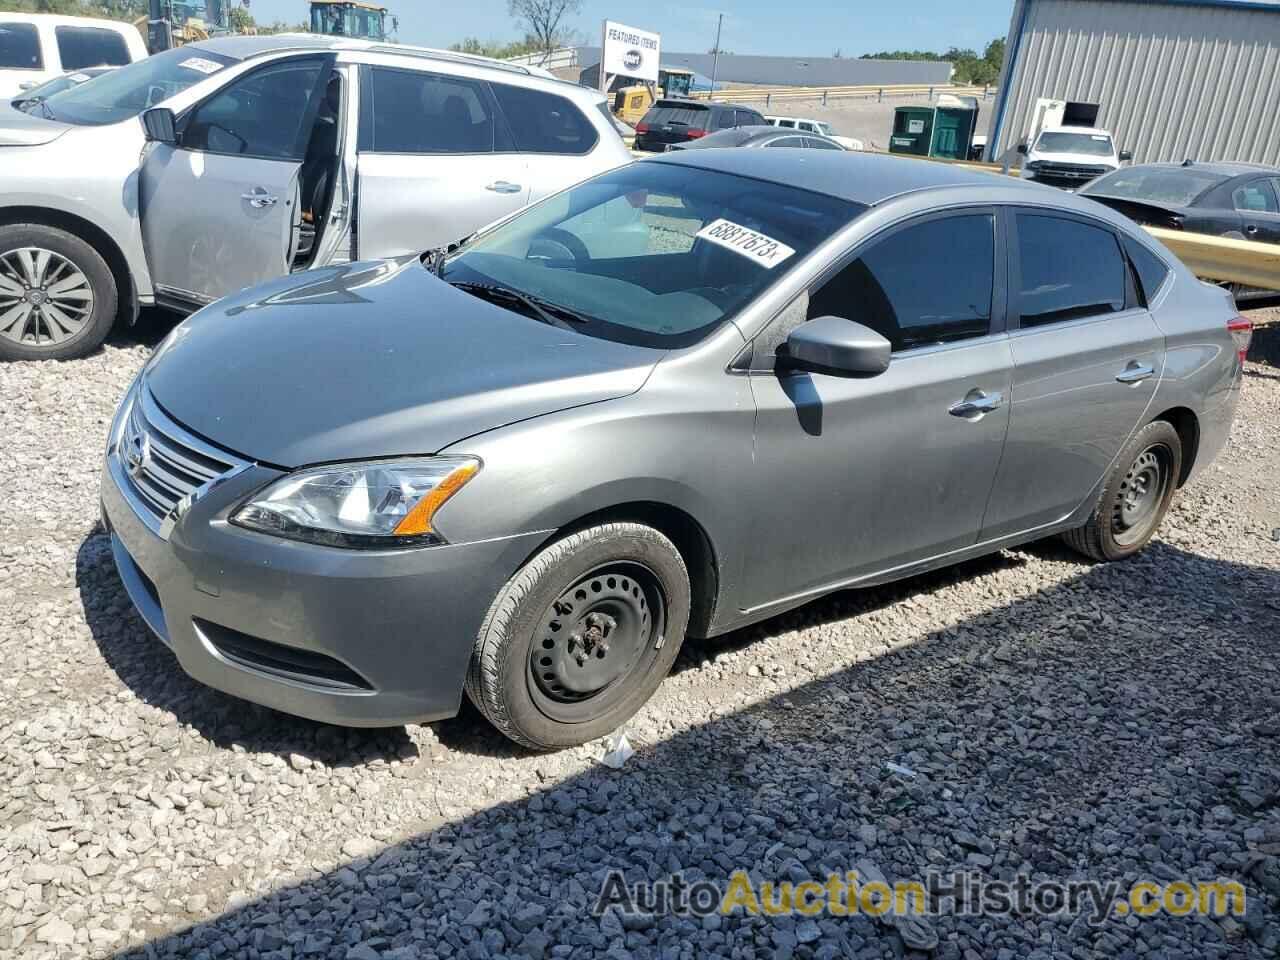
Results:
45 299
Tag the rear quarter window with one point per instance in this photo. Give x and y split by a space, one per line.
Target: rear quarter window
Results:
20 47
80 47
1151 270
543 122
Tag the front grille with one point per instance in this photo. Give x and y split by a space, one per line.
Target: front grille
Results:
1067 171
163 463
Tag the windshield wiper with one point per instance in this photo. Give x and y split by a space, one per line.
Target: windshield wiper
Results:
440 254
549 313
42 103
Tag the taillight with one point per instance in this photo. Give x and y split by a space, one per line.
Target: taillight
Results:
693 133
1242 333
642 128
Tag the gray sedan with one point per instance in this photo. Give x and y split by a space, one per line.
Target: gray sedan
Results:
681 397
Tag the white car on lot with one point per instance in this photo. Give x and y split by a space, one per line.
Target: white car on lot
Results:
35 47
201 171
814 126
1070 156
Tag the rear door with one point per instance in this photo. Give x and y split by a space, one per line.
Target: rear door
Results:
865 474
1087 358
435 161
218 209
1259 211
556 140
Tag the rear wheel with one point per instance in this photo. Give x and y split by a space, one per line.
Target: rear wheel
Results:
1136 497
581 636
58 297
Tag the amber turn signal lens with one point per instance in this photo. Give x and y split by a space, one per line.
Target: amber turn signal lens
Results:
418 520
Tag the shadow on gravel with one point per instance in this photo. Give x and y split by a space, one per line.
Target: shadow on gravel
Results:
1120 725
147 668
1265 347
153 325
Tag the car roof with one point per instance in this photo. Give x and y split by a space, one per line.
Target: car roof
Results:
864 178
66 20
1222 168
244 47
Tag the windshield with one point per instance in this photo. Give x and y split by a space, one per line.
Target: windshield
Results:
824 128
126 92
654 254
1093 144
1169 186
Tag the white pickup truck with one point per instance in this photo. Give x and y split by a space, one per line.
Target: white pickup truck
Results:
1070 156
814 126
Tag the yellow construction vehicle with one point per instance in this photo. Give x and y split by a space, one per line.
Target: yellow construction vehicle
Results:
632 101
174 23
350 18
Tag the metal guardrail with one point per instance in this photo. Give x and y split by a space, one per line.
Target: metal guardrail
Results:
1224 258
771 95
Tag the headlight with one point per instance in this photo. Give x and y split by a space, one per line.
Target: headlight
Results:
379 504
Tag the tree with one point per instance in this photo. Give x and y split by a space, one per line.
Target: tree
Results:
544 21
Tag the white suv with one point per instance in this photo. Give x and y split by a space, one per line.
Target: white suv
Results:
227 163
35 47
814 126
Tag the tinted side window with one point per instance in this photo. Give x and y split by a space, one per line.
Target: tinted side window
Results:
749 118
786 142
725 119
1255 197
817 144
1069 270
20 47
543 122
1151 270
81 47
407 111
895 288
259 115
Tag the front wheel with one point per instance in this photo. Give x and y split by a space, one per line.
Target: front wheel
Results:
581 636
58 297
1136 496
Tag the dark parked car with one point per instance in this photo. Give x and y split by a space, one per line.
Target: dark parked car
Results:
766 136
679 398
1223 199
679 121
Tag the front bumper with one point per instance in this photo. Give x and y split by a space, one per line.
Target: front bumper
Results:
357 638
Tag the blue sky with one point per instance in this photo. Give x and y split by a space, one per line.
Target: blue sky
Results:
815 28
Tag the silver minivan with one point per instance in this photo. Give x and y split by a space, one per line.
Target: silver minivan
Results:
207 169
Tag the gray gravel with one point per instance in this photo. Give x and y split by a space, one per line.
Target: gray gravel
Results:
1062 720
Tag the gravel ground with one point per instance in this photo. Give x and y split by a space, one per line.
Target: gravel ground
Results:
1057 719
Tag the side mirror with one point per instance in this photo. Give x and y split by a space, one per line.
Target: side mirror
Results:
160 125
1125 155
838 346
1022 149
26 85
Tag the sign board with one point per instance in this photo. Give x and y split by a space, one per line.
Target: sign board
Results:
629 52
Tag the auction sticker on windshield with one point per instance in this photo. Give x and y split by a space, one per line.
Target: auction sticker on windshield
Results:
201 64
755 246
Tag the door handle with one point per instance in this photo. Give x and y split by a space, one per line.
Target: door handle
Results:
1135 372
1251 229
503 186
976 404
259 198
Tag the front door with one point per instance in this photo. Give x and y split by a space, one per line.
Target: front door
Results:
1259 210
218 209
1087 357
860 475
435 164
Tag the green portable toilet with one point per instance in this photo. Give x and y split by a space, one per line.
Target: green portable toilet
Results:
912 131
952 132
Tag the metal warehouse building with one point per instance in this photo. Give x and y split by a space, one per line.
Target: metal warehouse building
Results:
1174 79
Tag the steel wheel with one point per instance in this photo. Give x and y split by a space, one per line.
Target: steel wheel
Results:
592 637
1141 494
45 299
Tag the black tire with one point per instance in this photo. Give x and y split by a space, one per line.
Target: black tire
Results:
640 585
1135 498
83 257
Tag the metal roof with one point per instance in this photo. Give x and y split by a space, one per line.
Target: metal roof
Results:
796 71
864 178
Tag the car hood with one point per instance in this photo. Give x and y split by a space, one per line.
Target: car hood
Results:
1074 159
374 359
18 129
